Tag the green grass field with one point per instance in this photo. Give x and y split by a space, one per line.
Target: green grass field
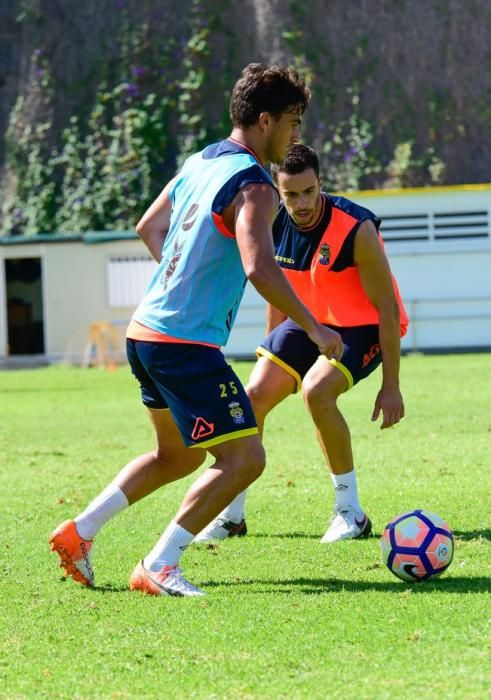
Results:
284 616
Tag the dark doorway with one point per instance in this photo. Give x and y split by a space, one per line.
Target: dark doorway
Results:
23 283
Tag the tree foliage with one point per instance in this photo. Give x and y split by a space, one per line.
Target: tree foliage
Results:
165 93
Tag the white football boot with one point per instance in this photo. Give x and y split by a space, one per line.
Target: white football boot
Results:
168 581
346 524
220 529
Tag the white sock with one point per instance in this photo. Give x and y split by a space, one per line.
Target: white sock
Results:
107 504
169 549
235 509
346 490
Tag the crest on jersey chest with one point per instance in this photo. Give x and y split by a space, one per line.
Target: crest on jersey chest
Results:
324 253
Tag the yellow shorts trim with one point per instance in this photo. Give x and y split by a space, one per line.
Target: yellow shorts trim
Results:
344 370
260 351
225 438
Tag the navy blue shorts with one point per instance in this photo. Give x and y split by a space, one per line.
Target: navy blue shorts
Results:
203 393
289 346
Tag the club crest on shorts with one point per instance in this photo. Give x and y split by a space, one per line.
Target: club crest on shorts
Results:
324 253
236 412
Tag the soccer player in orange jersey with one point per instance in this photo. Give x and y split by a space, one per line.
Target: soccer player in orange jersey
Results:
331 252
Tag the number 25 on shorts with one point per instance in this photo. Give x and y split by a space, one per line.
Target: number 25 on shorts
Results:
224 389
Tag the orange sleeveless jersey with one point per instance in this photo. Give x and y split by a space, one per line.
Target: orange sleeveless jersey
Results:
319 264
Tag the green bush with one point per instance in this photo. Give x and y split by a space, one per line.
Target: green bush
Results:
149 114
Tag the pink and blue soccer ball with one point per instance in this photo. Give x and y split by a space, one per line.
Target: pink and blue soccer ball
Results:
417 546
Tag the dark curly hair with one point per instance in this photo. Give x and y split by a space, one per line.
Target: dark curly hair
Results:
298 159
267 89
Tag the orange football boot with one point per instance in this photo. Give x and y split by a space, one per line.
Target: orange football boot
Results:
74 552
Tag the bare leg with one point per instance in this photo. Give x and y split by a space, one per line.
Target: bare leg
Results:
322 385
269 385
238 463
171 460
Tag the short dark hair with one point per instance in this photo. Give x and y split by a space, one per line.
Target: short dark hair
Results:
266 89
298 159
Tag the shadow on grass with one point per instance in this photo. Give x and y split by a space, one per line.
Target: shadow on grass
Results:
103 588
283 536
110 588
299 536
319 586
466 536
472 535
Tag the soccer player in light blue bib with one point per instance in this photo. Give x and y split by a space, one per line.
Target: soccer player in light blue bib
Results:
210 231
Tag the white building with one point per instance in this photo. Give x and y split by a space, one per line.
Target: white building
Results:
54 288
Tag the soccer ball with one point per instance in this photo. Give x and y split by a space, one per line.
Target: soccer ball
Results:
417 546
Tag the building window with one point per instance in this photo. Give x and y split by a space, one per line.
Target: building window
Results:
127 279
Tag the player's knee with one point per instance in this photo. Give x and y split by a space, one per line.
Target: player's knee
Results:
259 461
259 401
318 395
255 462
249 464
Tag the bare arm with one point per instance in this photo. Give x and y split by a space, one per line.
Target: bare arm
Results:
273 318
255 207
154 224
376 278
